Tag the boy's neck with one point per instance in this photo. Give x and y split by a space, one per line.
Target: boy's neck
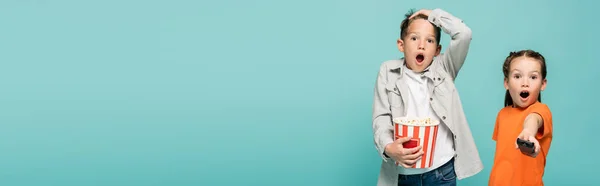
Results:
422 72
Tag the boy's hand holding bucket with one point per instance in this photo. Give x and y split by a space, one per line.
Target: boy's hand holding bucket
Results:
405 150
417 136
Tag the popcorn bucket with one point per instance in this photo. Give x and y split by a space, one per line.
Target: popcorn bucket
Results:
423 132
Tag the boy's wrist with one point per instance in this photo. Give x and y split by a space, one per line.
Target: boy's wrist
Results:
386 149
434 15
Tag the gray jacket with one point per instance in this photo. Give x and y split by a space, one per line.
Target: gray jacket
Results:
445 101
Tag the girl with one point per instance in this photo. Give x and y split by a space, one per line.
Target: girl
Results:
523 117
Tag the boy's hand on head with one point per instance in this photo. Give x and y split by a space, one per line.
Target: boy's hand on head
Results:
529 136
405 157
422 11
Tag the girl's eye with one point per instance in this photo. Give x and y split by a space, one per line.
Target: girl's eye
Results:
413 38
533 77
430 40
517 76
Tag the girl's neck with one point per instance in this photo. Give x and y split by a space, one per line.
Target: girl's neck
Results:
522 108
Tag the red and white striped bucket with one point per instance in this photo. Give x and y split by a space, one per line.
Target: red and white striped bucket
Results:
423 132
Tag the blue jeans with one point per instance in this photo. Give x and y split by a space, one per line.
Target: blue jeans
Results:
443 175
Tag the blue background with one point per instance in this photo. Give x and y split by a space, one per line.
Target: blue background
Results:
259 92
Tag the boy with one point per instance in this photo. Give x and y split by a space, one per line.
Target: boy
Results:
421 84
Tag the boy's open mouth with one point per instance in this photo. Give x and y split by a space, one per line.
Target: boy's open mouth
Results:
420 58
524 94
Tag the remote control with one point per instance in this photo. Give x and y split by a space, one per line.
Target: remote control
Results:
525 146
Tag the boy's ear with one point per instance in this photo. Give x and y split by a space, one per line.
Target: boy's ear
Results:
438 50
400 44
506 83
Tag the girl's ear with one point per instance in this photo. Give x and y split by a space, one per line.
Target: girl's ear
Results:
544 82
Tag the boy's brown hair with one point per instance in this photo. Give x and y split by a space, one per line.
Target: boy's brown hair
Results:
406 22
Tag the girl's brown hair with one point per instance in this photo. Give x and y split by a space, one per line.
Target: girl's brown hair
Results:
506 68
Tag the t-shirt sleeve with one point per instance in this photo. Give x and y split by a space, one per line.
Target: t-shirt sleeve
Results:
544 112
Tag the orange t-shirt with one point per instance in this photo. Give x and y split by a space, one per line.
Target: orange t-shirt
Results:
511 167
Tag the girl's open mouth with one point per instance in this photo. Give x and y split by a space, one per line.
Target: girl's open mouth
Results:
524 94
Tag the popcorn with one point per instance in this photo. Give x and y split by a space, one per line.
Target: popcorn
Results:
424 121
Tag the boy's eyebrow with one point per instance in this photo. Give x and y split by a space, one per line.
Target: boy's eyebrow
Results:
428 35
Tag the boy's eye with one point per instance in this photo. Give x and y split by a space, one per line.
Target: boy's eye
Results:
517 76
533 77
413 38
430 40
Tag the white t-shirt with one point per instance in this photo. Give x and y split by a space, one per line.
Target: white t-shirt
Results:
418 105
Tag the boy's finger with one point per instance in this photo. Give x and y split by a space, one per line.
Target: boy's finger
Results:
422 11
413 150
403 139
411 162
406 165
415 156
403 165
414 14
